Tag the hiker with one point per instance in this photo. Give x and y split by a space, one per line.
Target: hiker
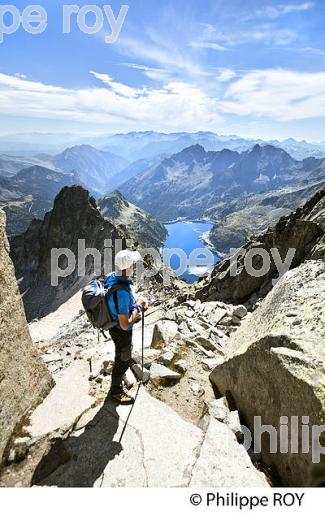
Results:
124 309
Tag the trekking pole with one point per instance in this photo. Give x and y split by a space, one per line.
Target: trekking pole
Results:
142 343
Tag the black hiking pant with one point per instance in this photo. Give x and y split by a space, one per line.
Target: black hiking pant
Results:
123 351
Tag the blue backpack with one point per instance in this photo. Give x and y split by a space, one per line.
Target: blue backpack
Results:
94 301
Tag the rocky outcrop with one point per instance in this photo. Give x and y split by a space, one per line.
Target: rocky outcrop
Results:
237 218
275 369
142 226
74 218
24 379
232 281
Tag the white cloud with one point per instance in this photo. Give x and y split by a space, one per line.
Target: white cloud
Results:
153 73
278 94
115 105
207 45
118 88
226 75
276 11
275 94
265 34
171 59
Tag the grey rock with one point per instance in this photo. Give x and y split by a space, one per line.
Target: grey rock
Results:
141 374
235 320
211 363
274 370
129 379
164 333
240 311
24 378
222 462
166 357
161 374
206 343
197 390
191 303
218 409
217 316
226 321
181 366
233 422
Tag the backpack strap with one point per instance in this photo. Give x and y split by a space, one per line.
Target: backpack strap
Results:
114 290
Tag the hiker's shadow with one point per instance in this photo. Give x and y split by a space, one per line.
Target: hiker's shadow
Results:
79 461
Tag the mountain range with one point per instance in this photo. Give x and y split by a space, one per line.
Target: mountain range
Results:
97 169
188 183
143 145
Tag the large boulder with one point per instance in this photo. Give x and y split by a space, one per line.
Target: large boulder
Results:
24 378
276 369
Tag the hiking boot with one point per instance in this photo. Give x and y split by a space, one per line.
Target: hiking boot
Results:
122 398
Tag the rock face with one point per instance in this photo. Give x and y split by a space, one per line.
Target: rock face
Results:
24 379
74 217
142 226
232 282
276 368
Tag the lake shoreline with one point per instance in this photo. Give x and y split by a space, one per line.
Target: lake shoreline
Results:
186 221
190 236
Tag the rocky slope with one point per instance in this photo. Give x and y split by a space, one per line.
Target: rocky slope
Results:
190 182
74 217
235 219
301 231
142 226
276 368
177 433
24 378
29 194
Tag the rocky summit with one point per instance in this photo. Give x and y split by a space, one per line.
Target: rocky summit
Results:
218 356
74 222
143 227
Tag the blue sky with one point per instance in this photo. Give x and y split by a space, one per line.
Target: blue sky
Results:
252 68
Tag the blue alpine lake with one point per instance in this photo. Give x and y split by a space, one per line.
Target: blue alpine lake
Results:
185 252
